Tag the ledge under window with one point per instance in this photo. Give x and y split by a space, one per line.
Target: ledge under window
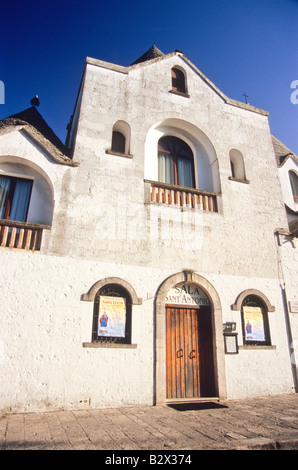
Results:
119 154
239 180
106 344
180 93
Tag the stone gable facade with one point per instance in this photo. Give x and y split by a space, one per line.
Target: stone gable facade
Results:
104 222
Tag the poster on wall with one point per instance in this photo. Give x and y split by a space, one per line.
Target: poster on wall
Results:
112 316
253 323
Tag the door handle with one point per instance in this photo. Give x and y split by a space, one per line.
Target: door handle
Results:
192 354
179 353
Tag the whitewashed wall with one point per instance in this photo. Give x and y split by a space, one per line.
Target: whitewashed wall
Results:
44 324
104 226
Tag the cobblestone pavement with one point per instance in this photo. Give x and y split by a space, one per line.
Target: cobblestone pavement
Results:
254 423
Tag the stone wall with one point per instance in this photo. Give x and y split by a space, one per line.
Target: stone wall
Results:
104 225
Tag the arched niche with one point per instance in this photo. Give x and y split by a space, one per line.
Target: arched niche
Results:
237 164
121 137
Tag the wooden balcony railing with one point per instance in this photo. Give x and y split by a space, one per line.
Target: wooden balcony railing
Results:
164 193
21 235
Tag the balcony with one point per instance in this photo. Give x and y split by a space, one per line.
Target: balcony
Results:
21 235
164 193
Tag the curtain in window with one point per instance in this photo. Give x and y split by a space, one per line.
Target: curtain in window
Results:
175 162
20 201
4 189
165 168
185 176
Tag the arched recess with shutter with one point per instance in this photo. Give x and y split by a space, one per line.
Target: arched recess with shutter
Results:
179 80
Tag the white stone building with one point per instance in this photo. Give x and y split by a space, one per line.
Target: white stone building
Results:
141 262
287 163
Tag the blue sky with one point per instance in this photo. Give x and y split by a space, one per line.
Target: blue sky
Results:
240 45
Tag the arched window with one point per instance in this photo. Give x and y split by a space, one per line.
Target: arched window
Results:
255 324
26 204
294 184
178 80
26 192
175 162
112 315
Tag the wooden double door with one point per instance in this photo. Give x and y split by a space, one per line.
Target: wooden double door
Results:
189 353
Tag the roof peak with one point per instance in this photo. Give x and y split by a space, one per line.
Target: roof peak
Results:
152 53
33 117
282 152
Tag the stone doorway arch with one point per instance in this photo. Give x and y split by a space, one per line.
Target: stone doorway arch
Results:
185 277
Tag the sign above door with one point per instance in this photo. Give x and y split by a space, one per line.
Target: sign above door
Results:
188 295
